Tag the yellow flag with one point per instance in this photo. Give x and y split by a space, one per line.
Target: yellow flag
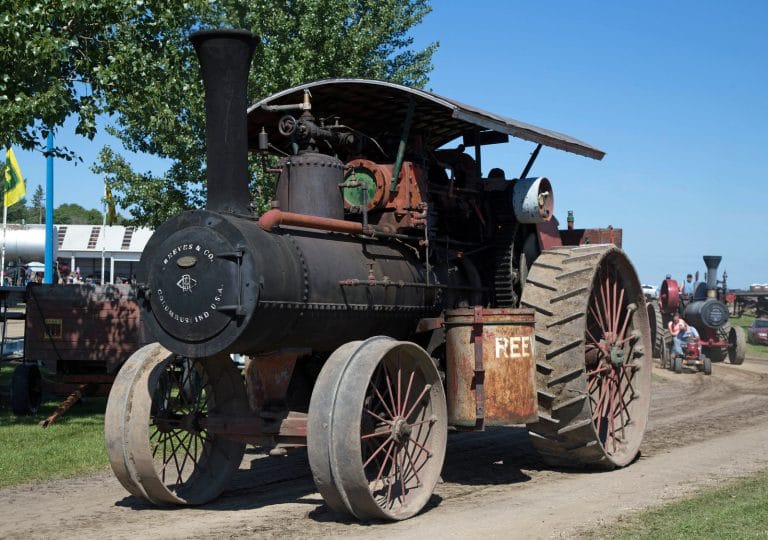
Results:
14 182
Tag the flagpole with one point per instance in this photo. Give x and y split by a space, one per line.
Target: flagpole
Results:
103 233
2 264
48 275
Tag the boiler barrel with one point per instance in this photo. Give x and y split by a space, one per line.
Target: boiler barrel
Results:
219 283
709 313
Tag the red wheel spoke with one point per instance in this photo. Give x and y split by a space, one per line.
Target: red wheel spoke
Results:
382 445
426 389
381 400
630 310
402 476
399 409
601 369
376 434
598 318
615 303
604 292
420 422
414 468
408 393
389 390
417 443
383 465
377 417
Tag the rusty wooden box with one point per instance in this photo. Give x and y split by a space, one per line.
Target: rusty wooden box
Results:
82 333
490 372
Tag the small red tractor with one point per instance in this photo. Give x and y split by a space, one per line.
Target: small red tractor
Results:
706 311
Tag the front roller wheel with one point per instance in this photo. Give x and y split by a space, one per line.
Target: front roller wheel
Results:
377 429
155 443
593 357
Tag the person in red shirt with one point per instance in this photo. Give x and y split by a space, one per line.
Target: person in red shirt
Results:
677 328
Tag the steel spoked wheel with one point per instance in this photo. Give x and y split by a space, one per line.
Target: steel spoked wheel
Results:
155 421
377 429
593 352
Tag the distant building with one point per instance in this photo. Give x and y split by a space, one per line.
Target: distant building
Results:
75 247
83 247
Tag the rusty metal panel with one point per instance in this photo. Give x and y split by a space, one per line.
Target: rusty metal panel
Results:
579 237
499 389
82 324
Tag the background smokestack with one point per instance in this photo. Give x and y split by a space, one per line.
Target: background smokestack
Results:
225 59
712 262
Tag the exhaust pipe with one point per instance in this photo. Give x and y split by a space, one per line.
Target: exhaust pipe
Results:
225 59
712 262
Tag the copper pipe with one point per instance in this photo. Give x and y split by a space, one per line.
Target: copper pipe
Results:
274 218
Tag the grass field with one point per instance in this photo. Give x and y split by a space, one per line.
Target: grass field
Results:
71 446
752 349
736 510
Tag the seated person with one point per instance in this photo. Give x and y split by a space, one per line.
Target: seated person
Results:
677 328
689 332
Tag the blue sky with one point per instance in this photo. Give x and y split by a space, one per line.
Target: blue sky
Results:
675 93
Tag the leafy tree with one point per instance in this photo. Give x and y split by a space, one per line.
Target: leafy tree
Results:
133 58
74 214
17 213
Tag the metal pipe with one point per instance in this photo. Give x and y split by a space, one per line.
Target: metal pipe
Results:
712 262
403 142
225 59
275 217
528 165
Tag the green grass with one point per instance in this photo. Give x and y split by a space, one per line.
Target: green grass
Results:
736 510
761 351
73 445
6 372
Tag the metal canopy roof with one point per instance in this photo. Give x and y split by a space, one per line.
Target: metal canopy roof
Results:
377 107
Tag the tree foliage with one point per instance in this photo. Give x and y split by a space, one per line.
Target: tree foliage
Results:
74 214
37 210
133 60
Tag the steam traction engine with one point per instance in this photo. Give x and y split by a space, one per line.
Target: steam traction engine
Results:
706 311
390 293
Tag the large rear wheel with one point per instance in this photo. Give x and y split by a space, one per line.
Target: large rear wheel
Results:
656 324
737 346
377 429
593 357
156 443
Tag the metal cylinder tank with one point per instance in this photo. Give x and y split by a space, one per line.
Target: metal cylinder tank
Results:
309 184
27 243
220 283
709 313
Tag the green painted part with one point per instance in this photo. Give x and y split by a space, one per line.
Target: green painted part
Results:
353 196
617 356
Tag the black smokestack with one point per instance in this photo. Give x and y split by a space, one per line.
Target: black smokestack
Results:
712 262
225 59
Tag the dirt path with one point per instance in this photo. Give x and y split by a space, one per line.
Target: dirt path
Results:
703 430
